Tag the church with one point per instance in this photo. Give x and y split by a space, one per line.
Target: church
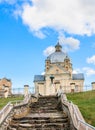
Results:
58 75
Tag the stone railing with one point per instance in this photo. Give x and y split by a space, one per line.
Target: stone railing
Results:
5 111
9 107
76 116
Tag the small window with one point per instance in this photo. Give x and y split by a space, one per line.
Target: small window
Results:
47 68
66 67
66 61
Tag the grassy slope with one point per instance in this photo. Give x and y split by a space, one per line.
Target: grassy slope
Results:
86 104
4 101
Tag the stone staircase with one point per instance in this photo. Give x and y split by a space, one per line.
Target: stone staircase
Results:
45 114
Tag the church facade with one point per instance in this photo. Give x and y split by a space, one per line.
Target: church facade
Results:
58 75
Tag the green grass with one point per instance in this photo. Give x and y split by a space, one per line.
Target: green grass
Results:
4 101
86 104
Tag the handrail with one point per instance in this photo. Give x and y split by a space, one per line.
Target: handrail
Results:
76 115
10 105
88 125
5 111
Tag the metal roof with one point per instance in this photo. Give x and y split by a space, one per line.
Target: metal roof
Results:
79 76
39 78
57 57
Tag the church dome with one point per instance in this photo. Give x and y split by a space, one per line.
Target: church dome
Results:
58 55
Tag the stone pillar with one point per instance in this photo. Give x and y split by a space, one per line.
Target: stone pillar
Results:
93 85
72 87
26 90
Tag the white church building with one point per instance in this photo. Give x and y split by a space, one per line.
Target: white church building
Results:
58 74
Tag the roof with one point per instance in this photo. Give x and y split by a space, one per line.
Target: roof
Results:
79 76
39 78
57 57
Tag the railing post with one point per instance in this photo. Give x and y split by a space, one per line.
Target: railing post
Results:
26 90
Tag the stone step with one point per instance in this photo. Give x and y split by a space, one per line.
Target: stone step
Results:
43 103
41 125
44 120
47 125
45 114
43 111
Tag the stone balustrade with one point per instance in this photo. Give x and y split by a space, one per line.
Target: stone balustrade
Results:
76 116
10 106
5 111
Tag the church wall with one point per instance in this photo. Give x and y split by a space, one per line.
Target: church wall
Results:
41 89
48 86
79 85
36 88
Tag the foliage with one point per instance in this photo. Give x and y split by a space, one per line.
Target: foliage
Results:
86 104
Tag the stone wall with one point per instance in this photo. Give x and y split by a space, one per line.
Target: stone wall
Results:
5 87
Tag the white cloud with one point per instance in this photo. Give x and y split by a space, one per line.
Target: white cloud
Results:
89 71
72 16
69 43
76 71
49 50
86 70
91 60
40 34
43 73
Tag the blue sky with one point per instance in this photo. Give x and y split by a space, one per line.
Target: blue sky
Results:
29 30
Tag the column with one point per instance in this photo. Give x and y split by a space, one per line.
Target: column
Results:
26 90
93 85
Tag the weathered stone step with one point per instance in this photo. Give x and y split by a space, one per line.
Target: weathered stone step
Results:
43 111
46 115
43 104
47 125
40 129
41 120
44 107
